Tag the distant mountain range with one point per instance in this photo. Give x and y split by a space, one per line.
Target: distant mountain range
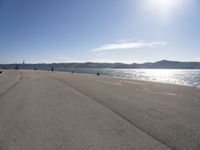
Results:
163 64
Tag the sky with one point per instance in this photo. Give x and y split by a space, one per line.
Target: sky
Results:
54 31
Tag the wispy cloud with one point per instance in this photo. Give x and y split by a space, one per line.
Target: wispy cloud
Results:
129 45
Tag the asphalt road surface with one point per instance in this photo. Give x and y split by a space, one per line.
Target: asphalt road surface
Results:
63 111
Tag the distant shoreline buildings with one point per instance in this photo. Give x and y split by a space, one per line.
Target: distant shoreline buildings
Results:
164 64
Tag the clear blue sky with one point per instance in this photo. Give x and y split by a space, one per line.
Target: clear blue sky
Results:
99 30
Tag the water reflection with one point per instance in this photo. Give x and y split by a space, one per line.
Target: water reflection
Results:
174 76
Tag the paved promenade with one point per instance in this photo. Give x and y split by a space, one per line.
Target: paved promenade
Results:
63 111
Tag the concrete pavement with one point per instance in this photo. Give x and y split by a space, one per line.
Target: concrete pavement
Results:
43 110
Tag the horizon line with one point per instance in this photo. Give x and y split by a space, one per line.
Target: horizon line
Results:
101 62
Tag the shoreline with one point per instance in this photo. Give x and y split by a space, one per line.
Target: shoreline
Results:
134 80
115 77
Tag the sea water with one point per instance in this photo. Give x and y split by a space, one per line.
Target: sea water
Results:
189 77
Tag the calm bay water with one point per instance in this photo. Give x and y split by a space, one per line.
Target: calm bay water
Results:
173 76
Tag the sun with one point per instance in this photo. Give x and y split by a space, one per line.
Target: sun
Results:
164 4
163 7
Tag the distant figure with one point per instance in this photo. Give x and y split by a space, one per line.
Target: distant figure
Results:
98 73
35 68
72 71
16 67
52 69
